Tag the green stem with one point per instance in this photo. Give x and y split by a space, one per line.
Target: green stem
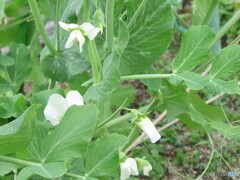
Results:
109 23
210 159
51 84
86 12
141 6
235 41
145 76
228 25
95 62
18 161
74 176
40 26
127 116
181 20
210 12
57 24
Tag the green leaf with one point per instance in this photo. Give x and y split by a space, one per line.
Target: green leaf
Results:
15 136
227 62
64 66
123 93
226 129
102 156
22 67
48 170
110 81
217 86
5 86
12 106
200 8
7 168
6 61
195 45
70 138
203 113
175 98
2 3
154 84
150 35
192 80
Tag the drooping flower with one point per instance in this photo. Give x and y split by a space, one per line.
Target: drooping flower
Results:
128 167
58 105
147 169
144 165
149 129
79 33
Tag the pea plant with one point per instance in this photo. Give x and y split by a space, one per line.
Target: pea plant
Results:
64 108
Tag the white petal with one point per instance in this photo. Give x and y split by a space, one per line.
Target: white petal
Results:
68 27
147 169
81 41
74 35
90 31
133 165
148 127
55 109
125 171
74 98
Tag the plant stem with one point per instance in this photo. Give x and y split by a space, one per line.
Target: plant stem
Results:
145 76
86 12
51 84
210 12
228 25
109 23
74 176
40 26
141 6
210 159
235 41
181 20
95 62
57 24
18 161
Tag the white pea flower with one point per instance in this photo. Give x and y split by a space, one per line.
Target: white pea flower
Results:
128 167
79 32
149 129
147 169
58 105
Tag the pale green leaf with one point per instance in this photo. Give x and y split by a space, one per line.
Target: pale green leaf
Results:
64 66
123 37
227 62
217 85
110 81
16 135
7 168
22 67
48 170
192 80
70 138
150 35
5 86
195 45
102 157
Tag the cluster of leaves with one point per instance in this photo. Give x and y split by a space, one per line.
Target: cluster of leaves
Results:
82 146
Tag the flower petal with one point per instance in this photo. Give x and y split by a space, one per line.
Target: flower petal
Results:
81 41
76 34
148 127
68 27
125 171
133 165
55 109
90 31
74 98
147 169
